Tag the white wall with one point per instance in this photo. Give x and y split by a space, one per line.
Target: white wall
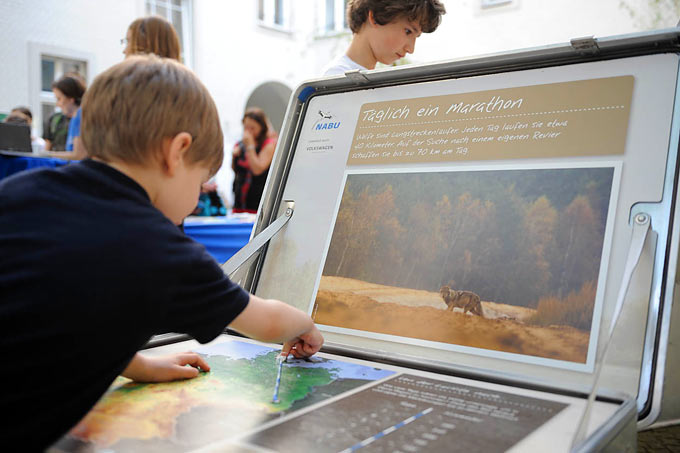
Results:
83 26
467 29
233 54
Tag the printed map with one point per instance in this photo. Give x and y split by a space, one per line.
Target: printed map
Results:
234 397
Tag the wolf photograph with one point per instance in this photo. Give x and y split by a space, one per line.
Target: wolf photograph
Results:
502 260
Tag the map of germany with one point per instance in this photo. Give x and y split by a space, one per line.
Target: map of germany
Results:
234 397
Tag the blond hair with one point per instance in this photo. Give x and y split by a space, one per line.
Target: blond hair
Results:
131 108
154 34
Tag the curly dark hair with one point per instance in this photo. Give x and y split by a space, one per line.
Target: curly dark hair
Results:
428 13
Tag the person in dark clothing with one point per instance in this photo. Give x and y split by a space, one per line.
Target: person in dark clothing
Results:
68 91
152 133
251 159
55 131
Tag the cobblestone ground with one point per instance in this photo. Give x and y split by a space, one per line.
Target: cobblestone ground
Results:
660 440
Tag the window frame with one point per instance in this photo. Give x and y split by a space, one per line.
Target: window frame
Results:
340 19
266 13
37 97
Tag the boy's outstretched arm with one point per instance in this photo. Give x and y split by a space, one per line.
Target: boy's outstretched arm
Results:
165 368
273 321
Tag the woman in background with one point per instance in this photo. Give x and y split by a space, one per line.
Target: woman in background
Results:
152 34
251 159
68 90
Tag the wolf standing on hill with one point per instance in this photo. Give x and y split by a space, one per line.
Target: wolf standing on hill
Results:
466 300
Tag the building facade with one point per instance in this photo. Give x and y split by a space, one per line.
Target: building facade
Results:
256 52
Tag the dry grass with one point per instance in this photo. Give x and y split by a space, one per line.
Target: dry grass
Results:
354 307
575 310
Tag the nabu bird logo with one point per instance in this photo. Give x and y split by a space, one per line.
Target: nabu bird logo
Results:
324 122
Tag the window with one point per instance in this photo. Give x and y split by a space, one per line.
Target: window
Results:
52 68
332 18
274 14
46 63
178 13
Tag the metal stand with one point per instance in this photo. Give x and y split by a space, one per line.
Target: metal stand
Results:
258 241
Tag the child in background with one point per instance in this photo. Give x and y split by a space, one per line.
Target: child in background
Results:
23 115
385 31
153 135
209 202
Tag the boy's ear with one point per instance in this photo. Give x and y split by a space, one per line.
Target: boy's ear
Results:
371 19
173 151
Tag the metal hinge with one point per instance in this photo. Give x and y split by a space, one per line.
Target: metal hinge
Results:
586 45
357 76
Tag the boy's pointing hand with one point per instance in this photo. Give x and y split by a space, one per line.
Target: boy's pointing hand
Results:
305 345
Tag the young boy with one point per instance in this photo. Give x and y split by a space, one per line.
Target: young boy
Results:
93 263
385 31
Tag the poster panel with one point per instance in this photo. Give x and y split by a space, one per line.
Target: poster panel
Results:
507 262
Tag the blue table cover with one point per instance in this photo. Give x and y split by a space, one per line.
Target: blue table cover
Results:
10 165
221 236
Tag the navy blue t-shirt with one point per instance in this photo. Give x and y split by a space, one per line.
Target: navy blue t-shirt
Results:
89 271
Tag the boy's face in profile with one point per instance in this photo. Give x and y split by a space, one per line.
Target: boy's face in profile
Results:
393 40
181 191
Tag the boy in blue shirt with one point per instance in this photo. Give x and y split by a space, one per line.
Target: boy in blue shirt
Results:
93 264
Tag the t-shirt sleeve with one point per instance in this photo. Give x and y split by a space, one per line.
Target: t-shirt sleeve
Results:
202 301
73 130
334 70
341 65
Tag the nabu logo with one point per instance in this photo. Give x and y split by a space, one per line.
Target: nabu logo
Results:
325 122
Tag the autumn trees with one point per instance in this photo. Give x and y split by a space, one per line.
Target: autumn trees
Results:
511 236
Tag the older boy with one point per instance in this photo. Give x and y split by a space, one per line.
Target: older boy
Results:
385 31
153 133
